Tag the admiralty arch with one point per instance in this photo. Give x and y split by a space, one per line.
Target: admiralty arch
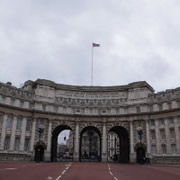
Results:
146 123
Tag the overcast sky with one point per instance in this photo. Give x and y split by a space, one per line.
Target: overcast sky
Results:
52 39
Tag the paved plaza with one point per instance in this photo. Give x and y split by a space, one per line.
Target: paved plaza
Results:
86 171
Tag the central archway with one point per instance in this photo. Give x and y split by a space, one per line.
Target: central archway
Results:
55 134
90 144
123 141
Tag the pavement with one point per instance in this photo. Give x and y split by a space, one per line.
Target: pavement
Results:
86 171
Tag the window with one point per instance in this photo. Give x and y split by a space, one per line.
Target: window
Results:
153 134
9 122
151 108
139 124
6 143
44 107
2 99
172 133
30 105
162 132
138 110
28 125
161 121
125 110
173 148
12 102
171 121
18 125
152 122
163 146
153 149
16 144
41 122
160 107
21 104
56 109
169 106
26 145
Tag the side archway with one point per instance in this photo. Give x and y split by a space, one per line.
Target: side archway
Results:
55 134
39 151
140 153
124 146
90 144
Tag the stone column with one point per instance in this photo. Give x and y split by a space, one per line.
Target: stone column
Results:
13 134
148 137
49 136
131 137
76 143
33 134
177 135
168 146
104 144
157 136
132 153
23 133
3 131
48 151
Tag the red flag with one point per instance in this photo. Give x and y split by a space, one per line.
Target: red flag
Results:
95 45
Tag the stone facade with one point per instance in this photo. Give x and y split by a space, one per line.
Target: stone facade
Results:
125 110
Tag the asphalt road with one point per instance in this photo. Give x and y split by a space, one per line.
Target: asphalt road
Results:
86 171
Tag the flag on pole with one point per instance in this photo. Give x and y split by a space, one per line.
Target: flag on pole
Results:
95 45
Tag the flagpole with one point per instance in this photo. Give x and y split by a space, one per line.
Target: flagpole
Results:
92 67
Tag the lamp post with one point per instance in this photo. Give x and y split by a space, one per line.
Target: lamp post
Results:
140 133
40 131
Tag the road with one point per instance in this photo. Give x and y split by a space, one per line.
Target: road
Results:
85 171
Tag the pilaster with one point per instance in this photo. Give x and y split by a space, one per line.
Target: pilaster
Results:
104 144
157 136
148 137
167 137
3 131
13 133
22 139
33 133
76 144
177 135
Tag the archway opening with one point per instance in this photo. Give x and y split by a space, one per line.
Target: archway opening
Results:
118 145
62 144
90 144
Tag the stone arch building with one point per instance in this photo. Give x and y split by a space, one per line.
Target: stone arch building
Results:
143 120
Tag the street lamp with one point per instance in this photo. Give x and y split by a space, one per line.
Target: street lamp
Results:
38 157
140 133
40 131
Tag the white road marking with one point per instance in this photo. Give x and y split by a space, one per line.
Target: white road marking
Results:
63 172
115 178
58 177
8 169
49 177
67 167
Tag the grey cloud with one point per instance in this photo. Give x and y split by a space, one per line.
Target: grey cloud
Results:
52 40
